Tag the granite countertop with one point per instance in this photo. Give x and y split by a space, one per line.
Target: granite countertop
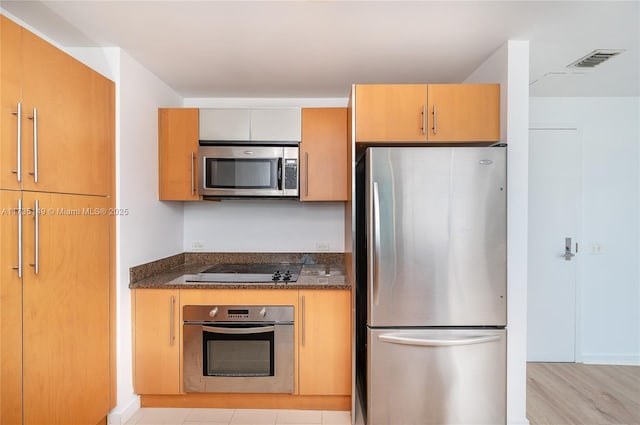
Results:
319 271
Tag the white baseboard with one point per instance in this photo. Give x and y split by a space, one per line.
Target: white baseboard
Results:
611 359
512 421
121 414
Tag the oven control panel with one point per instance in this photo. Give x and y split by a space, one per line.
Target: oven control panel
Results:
233 313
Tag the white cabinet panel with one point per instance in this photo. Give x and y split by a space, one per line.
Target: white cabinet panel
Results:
276 124
224 124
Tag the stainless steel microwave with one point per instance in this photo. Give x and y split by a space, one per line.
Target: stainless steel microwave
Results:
235 171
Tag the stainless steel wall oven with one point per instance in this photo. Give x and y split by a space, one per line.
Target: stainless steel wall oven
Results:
247 349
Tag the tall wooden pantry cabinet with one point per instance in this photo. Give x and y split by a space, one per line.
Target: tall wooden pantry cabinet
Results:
56 235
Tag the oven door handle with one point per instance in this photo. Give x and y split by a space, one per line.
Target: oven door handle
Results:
239 331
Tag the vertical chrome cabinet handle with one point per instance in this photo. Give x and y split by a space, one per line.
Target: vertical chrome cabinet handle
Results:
193 167
424 120
435 119
34 117
172 336
36 253
303 314
376 241
306 174
18 170
19 266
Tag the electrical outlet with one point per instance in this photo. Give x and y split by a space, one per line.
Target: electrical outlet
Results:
322 246
596 249
197 246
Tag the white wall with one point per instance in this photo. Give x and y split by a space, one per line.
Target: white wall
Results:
153 229
264 225
609 283
509 66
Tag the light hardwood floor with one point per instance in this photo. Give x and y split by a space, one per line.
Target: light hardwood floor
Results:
575 393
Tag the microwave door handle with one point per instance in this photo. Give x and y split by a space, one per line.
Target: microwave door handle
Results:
279 173
239 331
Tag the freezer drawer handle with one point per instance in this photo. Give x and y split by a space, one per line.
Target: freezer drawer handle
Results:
395 339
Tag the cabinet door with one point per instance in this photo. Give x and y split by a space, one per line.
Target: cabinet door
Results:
10 309
464 113
66 309
70 137
325 342
275 124
224 124
390 112
177 154
323 154
156 342
10 98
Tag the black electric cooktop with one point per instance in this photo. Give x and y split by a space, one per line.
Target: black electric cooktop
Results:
283 272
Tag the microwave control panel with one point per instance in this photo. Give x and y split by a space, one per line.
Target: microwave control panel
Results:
291 174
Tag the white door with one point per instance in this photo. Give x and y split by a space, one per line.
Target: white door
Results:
554 215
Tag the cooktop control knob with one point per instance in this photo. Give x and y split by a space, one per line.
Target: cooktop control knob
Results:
263 312
287 276
213 312
276 276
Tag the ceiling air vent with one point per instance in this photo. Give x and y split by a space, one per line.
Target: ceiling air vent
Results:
594 58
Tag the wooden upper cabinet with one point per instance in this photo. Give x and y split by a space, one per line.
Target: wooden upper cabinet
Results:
10 81
464 113
178 154
66 122
433 113
156 341
323 154
390 112
325 342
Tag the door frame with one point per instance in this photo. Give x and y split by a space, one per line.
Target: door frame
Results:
541 126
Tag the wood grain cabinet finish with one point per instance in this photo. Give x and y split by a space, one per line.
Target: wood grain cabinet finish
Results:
56 233
427 113
323 154
65 121
325 342
156 341
178 154
10 309
10 97
463 113
390 112
55 309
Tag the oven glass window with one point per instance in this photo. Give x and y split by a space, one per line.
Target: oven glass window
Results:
239 358
238 354
228 173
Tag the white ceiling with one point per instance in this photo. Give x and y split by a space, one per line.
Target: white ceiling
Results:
319 48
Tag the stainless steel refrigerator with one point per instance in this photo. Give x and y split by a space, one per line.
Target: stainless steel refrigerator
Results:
431 285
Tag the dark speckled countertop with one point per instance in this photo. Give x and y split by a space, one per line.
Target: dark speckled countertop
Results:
174 272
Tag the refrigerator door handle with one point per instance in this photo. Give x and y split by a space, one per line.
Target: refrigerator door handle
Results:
404 340
376 243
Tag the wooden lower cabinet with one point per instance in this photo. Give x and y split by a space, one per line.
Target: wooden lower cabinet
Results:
55 316
156 341
325 342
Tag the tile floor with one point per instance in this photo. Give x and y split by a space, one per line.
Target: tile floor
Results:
174 416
